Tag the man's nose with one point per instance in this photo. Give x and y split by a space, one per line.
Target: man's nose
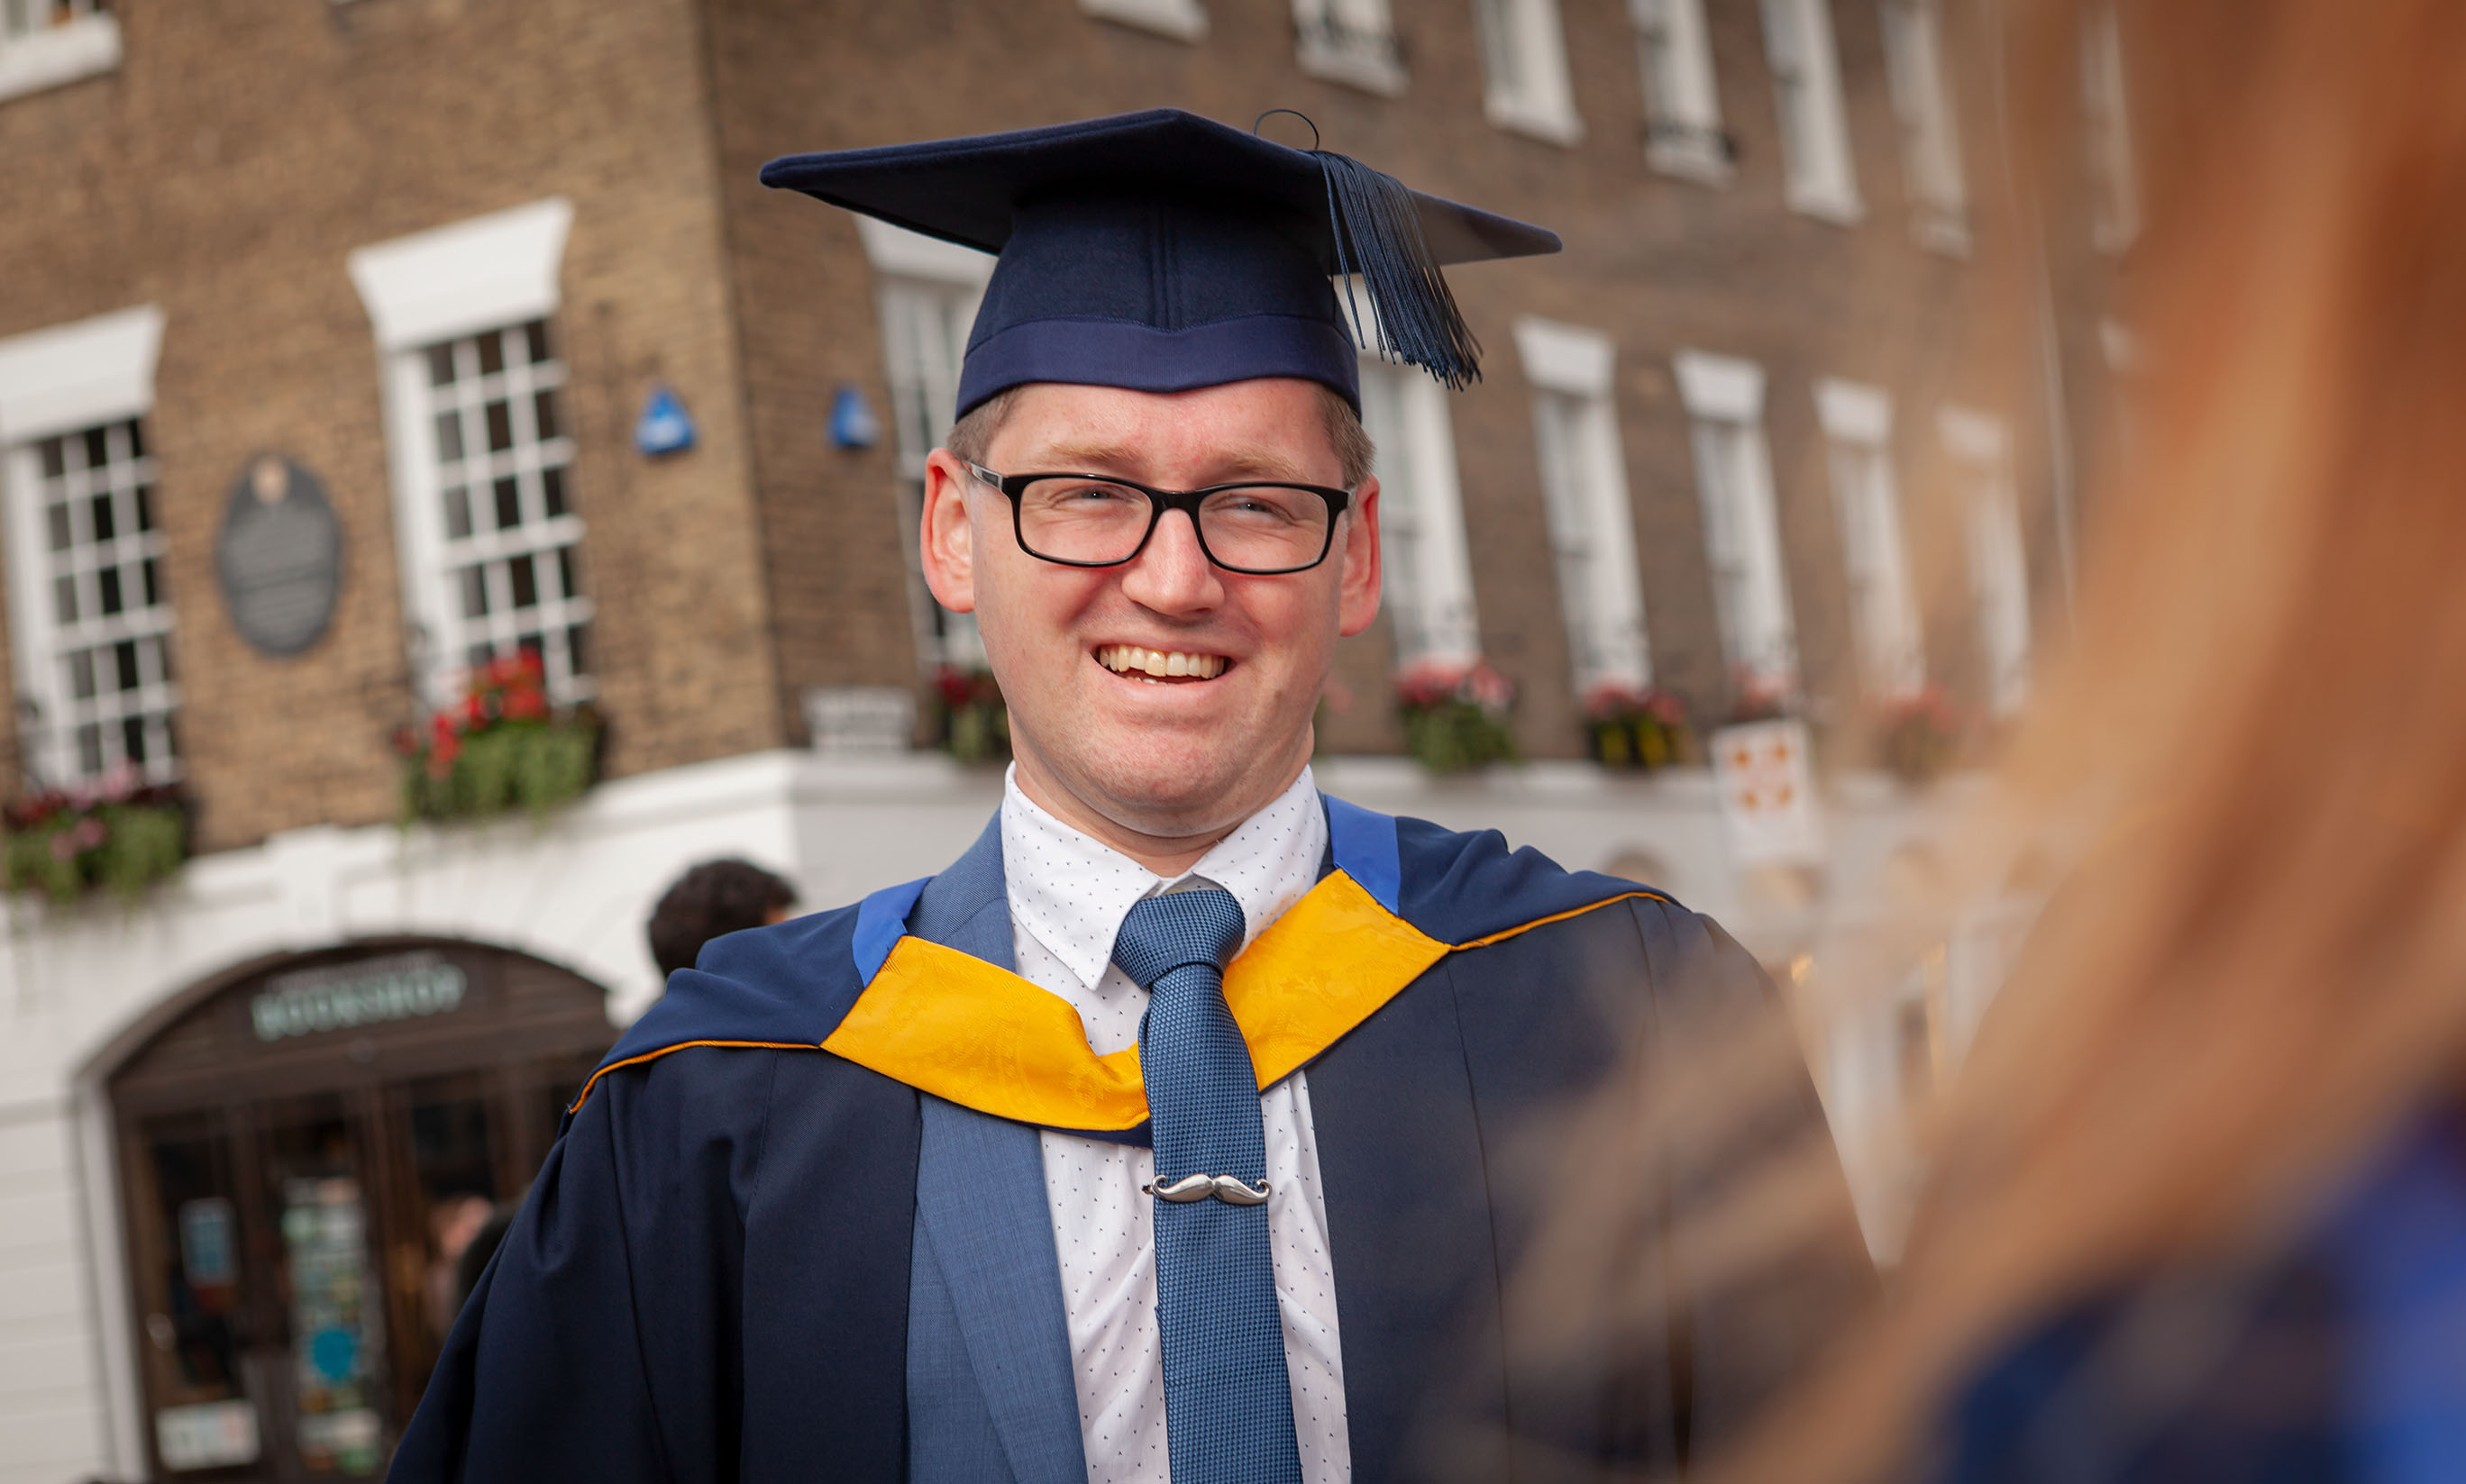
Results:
1173 574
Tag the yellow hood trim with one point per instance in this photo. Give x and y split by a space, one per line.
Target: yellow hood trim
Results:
950 1024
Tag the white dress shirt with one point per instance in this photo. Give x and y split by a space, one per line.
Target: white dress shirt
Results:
1068 894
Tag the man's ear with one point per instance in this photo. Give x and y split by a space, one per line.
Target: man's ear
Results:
1358 597
949 546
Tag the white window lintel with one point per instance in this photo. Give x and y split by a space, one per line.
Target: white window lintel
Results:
1853 411
71 376
1183 20
480 274
1564 358
56 56
1972 436
912 255
1723 387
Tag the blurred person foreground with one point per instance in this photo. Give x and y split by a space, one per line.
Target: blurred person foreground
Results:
443 495
2196 1207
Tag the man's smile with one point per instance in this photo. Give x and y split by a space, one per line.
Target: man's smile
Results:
1160 665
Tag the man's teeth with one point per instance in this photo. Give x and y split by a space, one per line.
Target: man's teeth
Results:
1132 659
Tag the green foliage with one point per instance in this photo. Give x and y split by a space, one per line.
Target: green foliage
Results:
1920 736
62 848
536 767
1455 736
975 720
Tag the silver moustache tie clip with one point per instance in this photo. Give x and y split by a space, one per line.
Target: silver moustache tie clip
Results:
1231 1189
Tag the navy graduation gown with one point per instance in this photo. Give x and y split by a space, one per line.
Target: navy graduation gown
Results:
710 1278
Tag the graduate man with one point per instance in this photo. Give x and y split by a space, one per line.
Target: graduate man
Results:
1169 1134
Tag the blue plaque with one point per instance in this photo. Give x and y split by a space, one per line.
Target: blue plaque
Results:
664 427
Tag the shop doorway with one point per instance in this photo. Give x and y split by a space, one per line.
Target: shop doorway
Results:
314 1163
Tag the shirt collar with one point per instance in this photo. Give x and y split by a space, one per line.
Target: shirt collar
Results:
1071 891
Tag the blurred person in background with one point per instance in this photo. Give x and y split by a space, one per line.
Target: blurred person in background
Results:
710 900
2197 1206
1181 1128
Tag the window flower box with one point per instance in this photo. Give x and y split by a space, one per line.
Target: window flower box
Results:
119 834
503 747
1455 714
1632 728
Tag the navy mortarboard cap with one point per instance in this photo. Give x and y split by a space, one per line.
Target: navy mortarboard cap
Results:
1162 252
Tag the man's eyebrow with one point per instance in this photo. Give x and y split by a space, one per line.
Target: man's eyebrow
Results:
1110 459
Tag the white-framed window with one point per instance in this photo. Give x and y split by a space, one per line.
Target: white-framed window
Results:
2107 115
1682 103
1725 407
1817 174
1857 421
91 621
1183 20
1426 570
1979 451
45 43
485 521
1524 67
1930 128
1583 494
927 292
1349 41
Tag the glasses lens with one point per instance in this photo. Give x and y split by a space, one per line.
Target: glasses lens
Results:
1072 520
1265 528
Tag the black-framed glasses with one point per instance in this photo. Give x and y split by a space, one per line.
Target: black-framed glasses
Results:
1260 528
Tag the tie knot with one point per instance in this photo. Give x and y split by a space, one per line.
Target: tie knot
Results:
1175 930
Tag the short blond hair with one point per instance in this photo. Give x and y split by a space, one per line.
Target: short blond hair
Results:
972 436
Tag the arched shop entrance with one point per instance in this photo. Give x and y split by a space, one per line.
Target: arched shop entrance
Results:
303 1156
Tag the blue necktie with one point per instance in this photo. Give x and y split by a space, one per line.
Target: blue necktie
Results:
1228 1408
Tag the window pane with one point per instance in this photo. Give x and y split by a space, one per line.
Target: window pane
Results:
81 675
544 408
163 660
501 427
98 448
440 364
475 592
108 581
132 739
458 513
449 436
89 742
565 584
146 507
59 523
536 334
52 462
105 526
509 506
553 487
526 582
492 354
574 650
153 583
136 436
124 656
64 602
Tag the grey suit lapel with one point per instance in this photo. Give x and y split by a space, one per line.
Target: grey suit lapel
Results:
980 1203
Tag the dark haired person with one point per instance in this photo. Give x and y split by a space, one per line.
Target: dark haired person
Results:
1183 1128
711 901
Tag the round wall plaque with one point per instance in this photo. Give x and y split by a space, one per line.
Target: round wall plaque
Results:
280 556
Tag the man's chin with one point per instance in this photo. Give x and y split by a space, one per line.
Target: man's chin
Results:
1176 793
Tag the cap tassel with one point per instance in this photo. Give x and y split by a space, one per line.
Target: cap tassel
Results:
1379 241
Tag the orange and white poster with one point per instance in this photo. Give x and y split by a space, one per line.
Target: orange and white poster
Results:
1766 785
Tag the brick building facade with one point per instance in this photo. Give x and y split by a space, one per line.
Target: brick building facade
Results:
1746 434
